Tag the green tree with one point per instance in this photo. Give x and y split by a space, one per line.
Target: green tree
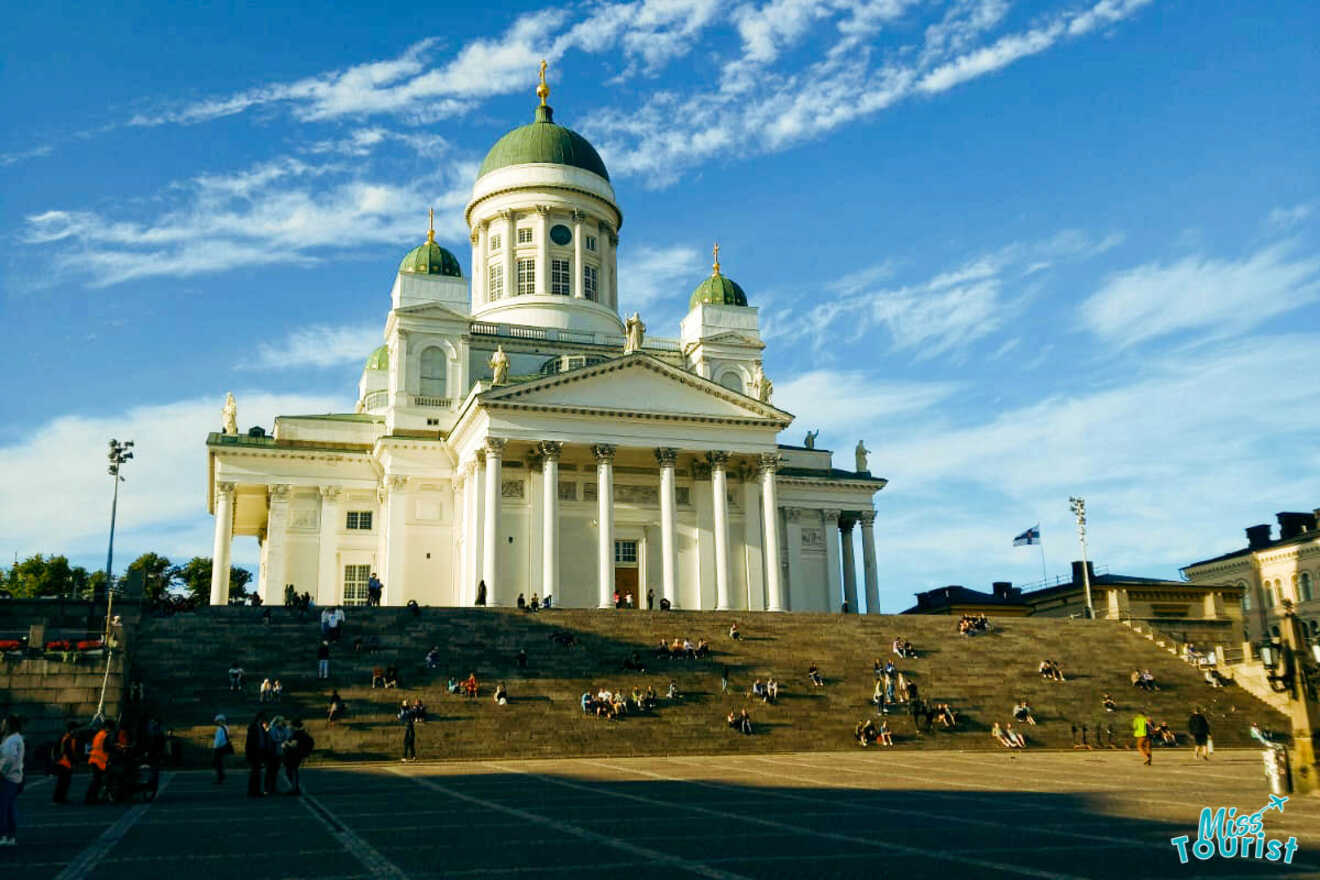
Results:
156 572
39 575
195 577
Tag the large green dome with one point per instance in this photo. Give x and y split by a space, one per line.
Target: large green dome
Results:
544 142
379 359
718 290
429 258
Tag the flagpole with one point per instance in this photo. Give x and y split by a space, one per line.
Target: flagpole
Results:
1044 576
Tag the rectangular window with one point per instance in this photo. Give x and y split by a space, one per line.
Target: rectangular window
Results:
591 242
495 242
359 519
589 282
495 281
625 552
525 235
355 584
526 277
560 277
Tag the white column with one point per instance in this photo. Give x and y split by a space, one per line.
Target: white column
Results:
614 271
720 493
399 370
510 249
477 276
668 544
868 563
463 504
490 570
542 249
774 585
604 453
550 451
833 568
277 527
327 573
578 217
849 560
797 580
224 536
394 563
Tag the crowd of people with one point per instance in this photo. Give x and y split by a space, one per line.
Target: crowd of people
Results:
683 649
605 703
971 624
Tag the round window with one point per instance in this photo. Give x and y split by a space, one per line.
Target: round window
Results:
561 234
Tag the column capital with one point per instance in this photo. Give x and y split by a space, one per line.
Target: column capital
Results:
279 491
769 462
474 236
667 456
330 493
396 482
225 488
846 523
831 516
579 216
792 514
867 517
543 209
718 458
495 446
551 449
506 214
614 239
604 452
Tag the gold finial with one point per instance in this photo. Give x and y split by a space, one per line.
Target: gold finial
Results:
715 269
543 90
430 232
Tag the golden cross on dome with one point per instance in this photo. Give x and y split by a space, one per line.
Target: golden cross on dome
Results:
715 269
430 232
543 90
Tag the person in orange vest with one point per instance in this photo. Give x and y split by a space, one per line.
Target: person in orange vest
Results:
64 763
97 760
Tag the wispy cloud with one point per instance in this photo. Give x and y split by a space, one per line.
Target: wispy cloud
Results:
652 276
319 345
1214 296
7 159
1287 218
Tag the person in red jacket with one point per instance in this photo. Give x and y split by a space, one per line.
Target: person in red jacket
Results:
64 764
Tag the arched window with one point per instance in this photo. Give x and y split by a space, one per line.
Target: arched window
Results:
1246 597
1278 591
732 381
433 373
1267 592
1305 587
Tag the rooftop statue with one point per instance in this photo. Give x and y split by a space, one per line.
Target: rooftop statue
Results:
229 415
634 331
810 442
862 451
762 388
499 367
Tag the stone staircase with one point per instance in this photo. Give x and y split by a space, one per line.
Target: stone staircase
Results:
182 662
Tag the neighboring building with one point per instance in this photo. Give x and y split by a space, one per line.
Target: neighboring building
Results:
513 430
1269 570
1198 613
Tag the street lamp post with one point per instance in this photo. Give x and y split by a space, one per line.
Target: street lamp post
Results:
1078 507
1292 667
119 454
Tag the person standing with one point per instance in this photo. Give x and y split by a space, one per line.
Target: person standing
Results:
1199 727
220 746
296 749
97 760
254 751
64 764
409 733
11 777
374 589
323 660
276 735
1141 733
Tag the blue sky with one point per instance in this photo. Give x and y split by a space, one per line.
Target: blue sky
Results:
1026 250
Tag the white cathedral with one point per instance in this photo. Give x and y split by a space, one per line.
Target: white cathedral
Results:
514 432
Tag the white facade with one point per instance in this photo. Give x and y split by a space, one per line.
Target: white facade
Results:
589 469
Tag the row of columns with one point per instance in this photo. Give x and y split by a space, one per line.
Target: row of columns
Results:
606 248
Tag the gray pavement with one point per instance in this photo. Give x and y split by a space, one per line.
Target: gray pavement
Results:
836 814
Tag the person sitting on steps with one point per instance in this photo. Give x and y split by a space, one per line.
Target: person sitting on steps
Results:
733 631
377 677
501 696
470 687
391 676
337 708
813 674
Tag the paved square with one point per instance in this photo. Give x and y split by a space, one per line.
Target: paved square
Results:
837 814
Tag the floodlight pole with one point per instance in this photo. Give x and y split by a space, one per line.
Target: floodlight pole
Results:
119 453
1078 507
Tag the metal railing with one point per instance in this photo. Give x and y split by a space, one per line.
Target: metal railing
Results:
578 337
432 402
376 399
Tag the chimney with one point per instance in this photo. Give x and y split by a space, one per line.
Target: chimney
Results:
1258 536
1002 589
1293 524
1077 572
923 600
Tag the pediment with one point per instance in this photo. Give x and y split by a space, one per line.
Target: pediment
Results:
733 338
637 385
434 311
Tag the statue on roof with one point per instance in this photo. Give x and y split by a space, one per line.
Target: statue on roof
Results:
762 387
810 442
229 415
634 330
499 367
862 452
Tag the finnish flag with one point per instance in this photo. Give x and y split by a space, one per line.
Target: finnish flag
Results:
1030 536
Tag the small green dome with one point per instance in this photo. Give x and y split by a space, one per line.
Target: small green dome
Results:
429 258
544 142
718 290
379 359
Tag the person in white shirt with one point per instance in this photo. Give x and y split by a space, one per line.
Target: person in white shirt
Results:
11 777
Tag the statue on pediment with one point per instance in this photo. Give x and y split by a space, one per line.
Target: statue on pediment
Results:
499 367
810 442
862 452
634 331
762 388
229 415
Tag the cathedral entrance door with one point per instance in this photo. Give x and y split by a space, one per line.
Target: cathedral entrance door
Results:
625 581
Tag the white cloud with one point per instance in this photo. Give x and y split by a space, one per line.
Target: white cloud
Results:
1215 296
55 493
813 398
1287 218
319 345
658 276
7 159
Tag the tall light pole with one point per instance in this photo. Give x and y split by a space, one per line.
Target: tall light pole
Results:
119 453
1078 507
